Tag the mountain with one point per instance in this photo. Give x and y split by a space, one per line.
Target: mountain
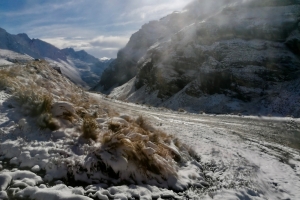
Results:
158 31
89 67
35 48
239 57
79 66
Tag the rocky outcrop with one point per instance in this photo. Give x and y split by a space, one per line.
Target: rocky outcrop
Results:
244 58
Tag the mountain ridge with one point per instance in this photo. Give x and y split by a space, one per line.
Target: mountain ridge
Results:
81 67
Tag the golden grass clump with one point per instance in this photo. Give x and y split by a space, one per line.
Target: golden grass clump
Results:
152 151
135 150
46 120
34 101
89 128
8 76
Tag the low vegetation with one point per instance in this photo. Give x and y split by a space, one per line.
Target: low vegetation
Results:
151 152
89 128
129 146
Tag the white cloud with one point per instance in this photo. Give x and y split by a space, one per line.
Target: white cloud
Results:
79 23
109 41
100 46
155 9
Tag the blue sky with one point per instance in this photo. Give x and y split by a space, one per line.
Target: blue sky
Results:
100 27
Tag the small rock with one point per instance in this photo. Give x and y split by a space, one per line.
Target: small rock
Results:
119 120
10 106
42 186
126 117
58 182
148 151
100 120
35 168
14 161
11 123
59 134
22 122
4 181
62 108
48 178
3 195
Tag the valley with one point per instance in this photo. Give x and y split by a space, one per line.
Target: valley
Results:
201 103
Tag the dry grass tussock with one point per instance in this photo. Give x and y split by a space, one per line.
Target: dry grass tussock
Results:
153 151
89 128
37 86
8 76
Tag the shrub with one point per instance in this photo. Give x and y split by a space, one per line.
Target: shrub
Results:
181 110
46 120
89 128
34 102
141 122
114 126
152 151
7 78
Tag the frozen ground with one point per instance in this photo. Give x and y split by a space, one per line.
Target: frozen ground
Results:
241 157
7 57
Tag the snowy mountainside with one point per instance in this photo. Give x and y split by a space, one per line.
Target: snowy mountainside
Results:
35 48
124 67
89 67
10 57
79 66
242 59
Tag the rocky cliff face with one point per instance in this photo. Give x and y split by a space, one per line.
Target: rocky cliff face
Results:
125 66
244 58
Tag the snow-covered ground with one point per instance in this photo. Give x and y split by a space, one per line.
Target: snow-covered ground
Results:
122 157
240 157
4 62
8 57
243 157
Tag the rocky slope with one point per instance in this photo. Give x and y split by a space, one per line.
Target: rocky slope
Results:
89 67
8 57
125 66
244 58
79 66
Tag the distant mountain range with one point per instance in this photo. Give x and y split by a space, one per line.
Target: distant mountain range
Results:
81 67
225 56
